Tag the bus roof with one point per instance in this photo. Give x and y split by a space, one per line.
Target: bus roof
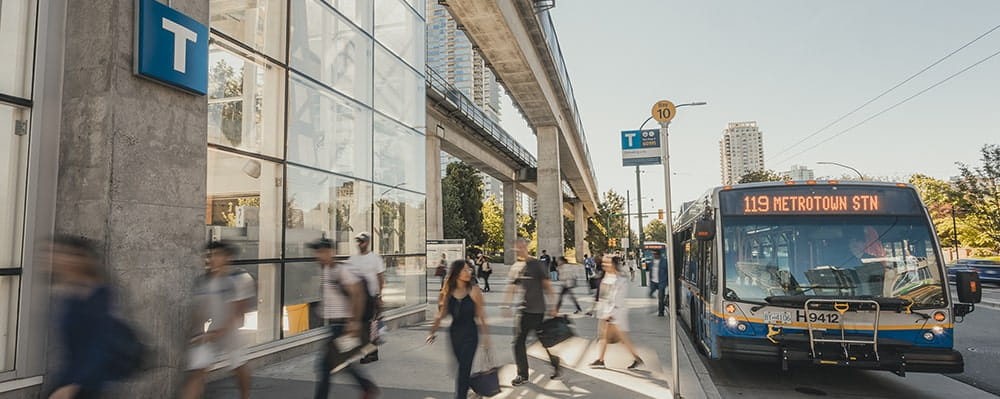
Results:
812 182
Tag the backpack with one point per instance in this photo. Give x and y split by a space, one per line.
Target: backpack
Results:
370 302
127 353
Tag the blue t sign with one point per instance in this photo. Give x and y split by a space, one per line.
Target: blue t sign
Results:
171 47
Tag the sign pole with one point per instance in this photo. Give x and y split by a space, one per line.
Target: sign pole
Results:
671 263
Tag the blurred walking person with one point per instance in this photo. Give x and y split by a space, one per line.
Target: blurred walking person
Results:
442 268
485 270
658 278
464 302
369 267
613 311
343 306
221 297
567 276
97 347
534 281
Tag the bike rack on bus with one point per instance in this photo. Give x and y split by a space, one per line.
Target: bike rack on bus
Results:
842 306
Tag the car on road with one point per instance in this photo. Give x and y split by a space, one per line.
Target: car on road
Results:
988 269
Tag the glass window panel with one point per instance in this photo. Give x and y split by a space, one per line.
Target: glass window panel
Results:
13 157
244 204
399 160
302 299
329 49
399 91
16 44
358 11
324 205
405 281
10 290
399 221
401 30
239 87
261 321
259 24
328 131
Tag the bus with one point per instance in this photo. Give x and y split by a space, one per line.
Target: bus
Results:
827 273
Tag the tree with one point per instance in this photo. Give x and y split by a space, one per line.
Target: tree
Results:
607 223
941 198
762 175
980 197
656 231
462 203
492 225
569 233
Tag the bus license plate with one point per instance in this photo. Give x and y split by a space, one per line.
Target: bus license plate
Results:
777 318
817 317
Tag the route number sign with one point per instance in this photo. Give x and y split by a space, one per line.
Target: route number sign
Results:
664 111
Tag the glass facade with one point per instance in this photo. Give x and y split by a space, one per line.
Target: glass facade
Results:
312 134
17 41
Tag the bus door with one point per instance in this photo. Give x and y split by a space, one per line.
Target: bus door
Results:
706 272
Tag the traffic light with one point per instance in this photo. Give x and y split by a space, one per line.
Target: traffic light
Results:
612 242
659 214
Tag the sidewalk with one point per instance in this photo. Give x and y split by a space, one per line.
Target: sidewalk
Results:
411 369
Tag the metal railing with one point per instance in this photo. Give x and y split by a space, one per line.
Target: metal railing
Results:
472 113
552 42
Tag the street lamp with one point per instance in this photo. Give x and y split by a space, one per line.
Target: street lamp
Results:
843 166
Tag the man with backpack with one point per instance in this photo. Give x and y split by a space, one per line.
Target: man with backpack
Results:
530 275
343 307
221 298
97 347
369 268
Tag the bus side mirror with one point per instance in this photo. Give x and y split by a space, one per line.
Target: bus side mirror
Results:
704 230
967 284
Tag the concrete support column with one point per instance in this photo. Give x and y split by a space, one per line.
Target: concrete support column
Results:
132 175
509 222
435 210
580 230
550 219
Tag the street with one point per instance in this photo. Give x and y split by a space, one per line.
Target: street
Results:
976 339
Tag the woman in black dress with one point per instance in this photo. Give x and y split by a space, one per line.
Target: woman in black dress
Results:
464 301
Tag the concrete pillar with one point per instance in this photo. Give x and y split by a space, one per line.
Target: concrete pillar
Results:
435 210
580 230
132 172
550 202
509 222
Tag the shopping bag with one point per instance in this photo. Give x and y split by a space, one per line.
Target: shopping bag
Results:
486 382
554 331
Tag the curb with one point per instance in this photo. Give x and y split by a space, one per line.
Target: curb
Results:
698 364
990 305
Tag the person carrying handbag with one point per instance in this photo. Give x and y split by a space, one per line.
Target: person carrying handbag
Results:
463 301
568 279
485 270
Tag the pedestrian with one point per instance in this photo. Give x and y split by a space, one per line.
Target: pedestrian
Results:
567 276
631 268
442 268
343 305
370 268
87 330
472 263
464 302
534 281
485 270
221 298
658 280
613 312
595 282
588 265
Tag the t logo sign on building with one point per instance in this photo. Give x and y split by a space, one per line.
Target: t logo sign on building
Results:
171 47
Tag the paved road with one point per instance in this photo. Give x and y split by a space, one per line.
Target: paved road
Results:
977 339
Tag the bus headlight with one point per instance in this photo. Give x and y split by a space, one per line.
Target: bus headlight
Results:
929 336
937 330
731 322
742 327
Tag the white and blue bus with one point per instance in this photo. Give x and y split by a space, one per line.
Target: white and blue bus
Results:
826 273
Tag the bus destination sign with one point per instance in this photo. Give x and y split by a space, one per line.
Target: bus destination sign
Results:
820 200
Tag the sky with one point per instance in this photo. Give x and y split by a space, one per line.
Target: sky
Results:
792 66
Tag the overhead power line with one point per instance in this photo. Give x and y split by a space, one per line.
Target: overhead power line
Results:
882 94
890 108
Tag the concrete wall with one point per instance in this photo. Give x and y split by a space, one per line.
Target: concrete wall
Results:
132 164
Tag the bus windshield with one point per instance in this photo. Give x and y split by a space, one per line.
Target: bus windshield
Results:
831 256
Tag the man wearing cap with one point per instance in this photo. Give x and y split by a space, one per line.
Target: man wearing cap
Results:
343 305
368 266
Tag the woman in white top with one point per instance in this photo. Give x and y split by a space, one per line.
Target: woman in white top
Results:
613 312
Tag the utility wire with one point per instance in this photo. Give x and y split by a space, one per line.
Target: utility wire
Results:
887 91
894 106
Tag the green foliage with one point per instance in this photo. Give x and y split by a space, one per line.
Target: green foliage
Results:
607 222
225 83
940 197
762 175
655 231
462 203
980 198
493 225
569 233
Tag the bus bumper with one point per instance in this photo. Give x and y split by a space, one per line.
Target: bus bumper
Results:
898 358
